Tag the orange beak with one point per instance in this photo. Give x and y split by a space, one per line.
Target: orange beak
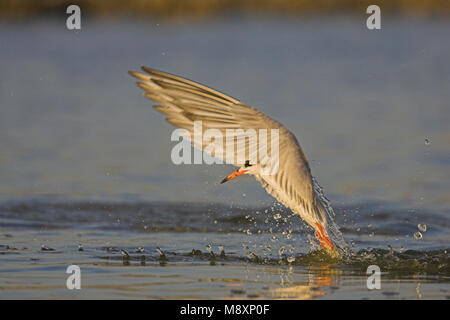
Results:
235 174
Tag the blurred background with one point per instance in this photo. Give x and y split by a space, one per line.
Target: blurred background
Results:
369 107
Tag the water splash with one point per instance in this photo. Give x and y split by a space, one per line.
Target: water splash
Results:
46 248
422 227
222 251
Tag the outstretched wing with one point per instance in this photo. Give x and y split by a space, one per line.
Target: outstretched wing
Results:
184 101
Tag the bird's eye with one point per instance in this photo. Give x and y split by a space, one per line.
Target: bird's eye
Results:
247 164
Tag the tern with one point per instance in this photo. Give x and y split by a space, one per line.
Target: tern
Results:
184 101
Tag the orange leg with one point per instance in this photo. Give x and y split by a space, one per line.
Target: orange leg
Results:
323 239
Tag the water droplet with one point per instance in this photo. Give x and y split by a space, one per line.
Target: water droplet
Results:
391 250
422 227
222 251
211 253
252 256
417 235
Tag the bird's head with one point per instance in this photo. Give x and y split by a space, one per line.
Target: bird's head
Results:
247 168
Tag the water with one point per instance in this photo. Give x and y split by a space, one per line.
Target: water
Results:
85 162
170 250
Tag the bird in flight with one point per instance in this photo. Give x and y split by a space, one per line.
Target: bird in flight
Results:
184 101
